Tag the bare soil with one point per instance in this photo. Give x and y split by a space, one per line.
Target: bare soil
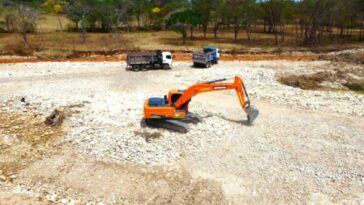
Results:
305 147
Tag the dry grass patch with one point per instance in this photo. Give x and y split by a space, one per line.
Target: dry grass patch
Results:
55 43
356 85
306 82
24 138
315 81
53 54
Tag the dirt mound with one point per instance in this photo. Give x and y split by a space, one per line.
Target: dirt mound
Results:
55 118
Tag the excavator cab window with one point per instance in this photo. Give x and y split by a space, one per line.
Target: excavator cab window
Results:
175 97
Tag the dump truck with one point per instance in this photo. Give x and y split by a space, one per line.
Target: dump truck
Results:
210 55
137 61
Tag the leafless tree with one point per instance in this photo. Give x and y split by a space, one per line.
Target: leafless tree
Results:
115 14
26 19
84 11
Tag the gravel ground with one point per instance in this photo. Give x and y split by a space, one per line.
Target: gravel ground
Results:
305 147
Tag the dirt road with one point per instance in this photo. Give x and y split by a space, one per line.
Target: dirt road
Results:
306 146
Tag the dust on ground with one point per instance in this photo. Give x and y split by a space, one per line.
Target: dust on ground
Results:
38 167
306 146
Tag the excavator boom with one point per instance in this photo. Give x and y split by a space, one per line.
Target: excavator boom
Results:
175 106
215 85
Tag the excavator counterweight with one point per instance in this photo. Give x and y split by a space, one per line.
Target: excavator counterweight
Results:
171 112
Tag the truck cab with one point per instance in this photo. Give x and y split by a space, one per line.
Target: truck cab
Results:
167 58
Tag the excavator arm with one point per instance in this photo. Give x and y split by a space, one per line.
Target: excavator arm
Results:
211 86
218 85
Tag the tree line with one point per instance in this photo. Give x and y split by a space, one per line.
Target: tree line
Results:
312 20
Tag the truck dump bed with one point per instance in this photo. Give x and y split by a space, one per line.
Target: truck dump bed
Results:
142 58
200 57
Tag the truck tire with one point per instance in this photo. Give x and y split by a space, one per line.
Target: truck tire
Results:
144 68
166 67
136 68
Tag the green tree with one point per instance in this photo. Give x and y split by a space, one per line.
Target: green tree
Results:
139 9
217 14
276 13
204 9
181 21
311 14
241 15
79 11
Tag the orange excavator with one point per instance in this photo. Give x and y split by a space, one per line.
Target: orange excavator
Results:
171 112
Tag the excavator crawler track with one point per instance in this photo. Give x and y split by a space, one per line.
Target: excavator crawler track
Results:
192 118
173 125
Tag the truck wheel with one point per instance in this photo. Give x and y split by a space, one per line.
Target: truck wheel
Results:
144 68
208 64
166 67
136 68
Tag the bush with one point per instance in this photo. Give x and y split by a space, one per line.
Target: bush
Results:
355 85
55 38
54 54
19 49
306 82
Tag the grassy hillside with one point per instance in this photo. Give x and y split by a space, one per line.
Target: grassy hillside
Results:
50 41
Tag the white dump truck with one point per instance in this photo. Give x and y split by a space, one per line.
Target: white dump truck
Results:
137 61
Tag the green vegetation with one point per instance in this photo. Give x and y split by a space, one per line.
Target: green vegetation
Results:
308 22
356 85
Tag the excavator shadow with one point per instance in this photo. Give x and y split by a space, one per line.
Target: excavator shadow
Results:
182 126
241 122
143 124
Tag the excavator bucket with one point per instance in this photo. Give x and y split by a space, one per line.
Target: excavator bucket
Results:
252 113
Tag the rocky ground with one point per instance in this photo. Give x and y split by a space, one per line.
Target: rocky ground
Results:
306 146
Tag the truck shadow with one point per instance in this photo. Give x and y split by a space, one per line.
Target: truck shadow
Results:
143 70
197 67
